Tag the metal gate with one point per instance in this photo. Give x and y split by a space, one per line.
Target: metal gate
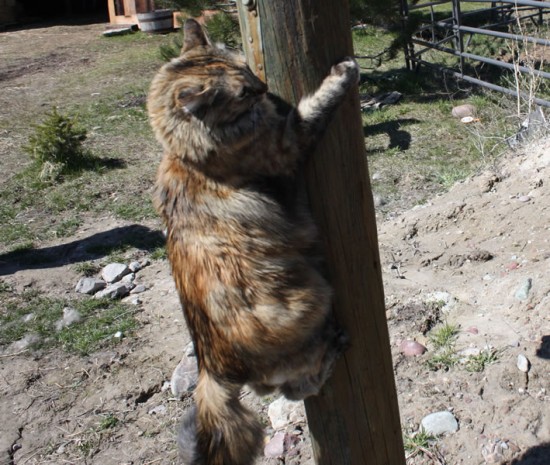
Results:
453 34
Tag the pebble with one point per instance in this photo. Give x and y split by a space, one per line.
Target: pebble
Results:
129 278
524 198
189 350
460 111
283 412
70 316
135 266
411 348
138 289
114 272
276 446
523 363
114 291
472 330
184 378
90 285
439 423
523 292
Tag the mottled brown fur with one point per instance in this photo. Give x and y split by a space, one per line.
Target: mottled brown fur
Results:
240 241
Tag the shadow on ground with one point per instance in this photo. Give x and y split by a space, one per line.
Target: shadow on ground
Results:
538 455
89 248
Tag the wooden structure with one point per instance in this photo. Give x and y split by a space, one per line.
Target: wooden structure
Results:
355 419
125 11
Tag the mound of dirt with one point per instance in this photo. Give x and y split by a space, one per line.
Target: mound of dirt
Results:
477 257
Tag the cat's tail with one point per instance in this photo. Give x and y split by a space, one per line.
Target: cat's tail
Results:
219 430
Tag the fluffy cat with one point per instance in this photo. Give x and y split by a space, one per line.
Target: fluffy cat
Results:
240 242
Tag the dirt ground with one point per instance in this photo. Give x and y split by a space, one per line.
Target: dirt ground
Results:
461 259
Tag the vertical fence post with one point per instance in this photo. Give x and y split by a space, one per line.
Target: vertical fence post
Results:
355 419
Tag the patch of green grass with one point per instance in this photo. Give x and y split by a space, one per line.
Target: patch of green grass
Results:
443 360
108 421
159 253
445 336
32 313
67 227
419 443
443 339
477 363
87 269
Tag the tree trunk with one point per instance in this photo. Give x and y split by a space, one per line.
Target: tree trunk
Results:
355 419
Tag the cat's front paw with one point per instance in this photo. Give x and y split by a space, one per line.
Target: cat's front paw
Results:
347 68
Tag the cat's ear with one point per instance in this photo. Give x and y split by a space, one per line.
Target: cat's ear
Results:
195 101
193 35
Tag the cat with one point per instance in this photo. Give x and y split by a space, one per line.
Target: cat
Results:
242 246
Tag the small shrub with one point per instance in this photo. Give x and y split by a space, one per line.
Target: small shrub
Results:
57 146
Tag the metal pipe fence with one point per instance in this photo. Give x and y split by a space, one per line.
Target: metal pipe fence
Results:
452 34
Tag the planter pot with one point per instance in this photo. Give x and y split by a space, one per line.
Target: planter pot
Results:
156 21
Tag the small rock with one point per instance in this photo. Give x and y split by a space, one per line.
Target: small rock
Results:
129 278
134 300
70 316
276 446
462 111
118 335
523 292
512 266
90 285
439 423
145 262
189 350
523 363
135 266
283 412
411 348
114 291
138 289
114 272
524 198
472 330
184 378
28 317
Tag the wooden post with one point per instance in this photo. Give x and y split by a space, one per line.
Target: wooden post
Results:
355 419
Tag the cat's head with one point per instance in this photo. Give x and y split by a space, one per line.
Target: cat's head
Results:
206 86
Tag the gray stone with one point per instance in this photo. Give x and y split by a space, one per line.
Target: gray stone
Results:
523 363
114 272
70 316
439 423
523 292
138 289
115 291
90 285
129 278
190 350
462 111
184 378
283 412
135 266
